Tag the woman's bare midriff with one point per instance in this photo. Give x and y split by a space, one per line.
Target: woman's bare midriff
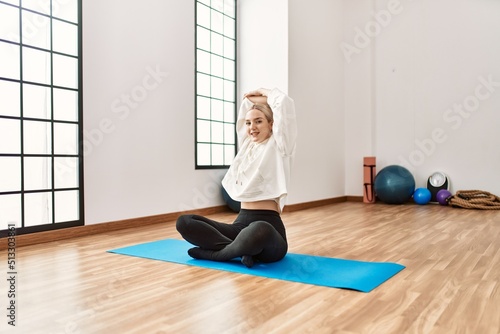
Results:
261 205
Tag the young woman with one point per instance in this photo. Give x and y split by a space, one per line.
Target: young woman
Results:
258 178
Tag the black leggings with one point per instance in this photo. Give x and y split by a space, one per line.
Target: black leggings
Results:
254 235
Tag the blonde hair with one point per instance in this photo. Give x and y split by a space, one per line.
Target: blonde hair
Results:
266 110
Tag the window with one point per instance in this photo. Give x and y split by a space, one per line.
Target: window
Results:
40 115
215 83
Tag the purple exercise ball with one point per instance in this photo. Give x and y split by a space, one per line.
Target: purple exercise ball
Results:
442 196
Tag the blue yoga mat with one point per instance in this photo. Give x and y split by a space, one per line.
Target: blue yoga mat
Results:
308 269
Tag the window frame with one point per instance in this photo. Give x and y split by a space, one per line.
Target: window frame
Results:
51 121
233 100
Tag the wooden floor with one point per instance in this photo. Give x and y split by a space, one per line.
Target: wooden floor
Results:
451 283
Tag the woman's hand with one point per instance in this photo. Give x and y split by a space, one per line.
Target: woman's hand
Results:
258 96
258 92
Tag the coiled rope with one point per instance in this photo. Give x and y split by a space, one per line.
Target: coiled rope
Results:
475 199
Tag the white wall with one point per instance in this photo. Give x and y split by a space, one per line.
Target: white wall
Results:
292 45
399 87
359 98
430 60
139 155
316 82
262 44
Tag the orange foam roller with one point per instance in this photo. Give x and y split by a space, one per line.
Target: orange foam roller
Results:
369 172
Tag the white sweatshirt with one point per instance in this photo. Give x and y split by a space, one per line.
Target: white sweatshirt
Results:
261 171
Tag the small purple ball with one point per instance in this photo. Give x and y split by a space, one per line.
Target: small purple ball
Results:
442 196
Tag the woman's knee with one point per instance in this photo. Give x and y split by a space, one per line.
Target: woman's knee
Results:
275 247
261 229
261 225
183 222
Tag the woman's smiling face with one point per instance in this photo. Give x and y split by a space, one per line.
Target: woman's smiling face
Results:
258 127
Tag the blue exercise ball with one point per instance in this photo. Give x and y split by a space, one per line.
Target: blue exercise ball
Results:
422 196
394 184
231 203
